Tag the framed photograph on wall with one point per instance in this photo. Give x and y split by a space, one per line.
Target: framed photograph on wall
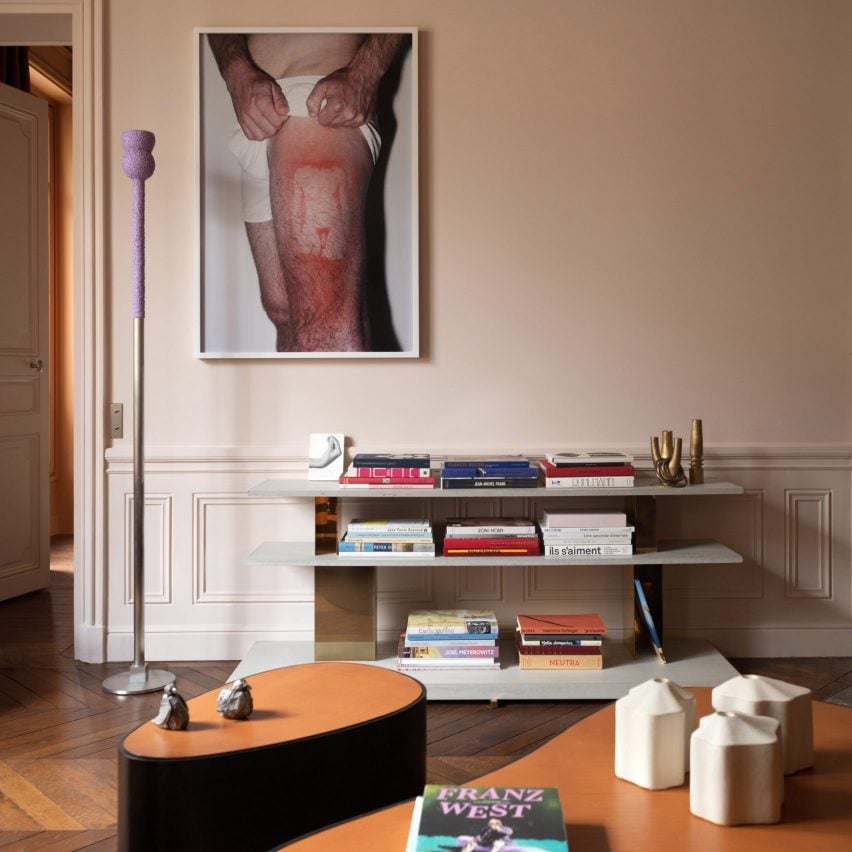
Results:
307 226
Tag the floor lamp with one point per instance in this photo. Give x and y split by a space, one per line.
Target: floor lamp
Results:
138 165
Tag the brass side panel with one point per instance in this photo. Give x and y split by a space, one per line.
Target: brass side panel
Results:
345 612
335 651
325 525
642 514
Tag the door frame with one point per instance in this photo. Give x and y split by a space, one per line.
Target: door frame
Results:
89 141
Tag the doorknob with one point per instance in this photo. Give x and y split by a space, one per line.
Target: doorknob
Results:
37 365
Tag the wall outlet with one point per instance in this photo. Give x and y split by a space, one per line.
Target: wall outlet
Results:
116 420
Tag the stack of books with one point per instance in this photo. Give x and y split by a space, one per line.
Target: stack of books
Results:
560 642
491 537
578 532
449 639
490 472
587 470
385 470
387 538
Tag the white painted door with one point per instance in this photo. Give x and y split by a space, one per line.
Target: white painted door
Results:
24 415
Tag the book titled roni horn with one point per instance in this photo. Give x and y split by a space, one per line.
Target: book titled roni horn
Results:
511 819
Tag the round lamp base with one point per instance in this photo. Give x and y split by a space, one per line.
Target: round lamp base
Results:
136 682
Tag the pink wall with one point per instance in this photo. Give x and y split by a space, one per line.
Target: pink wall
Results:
632 214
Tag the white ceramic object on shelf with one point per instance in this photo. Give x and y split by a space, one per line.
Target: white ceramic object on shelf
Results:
735 769
653 723
789 704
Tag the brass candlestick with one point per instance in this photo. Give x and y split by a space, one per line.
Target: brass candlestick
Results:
667 460
696 454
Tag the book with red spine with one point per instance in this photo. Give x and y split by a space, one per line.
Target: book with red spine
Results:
491 541
522 549
387 480
578 624
584 470
393 472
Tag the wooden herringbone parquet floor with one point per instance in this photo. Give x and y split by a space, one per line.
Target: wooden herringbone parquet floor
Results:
59 729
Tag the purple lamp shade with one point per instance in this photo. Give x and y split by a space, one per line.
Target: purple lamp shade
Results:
138 165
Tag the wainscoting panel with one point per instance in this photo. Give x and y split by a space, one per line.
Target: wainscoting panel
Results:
791 596
157 548
808 540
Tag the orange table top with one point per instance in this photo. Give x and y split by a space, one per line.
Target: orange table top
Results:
289 704
606 814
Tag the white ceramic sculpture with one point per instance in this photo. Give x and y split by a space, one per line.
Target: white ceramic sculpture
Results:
735 769
653 723
789 704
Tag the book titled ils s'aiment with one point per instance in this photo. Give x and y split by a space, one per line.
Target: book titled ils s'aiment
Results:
513 819
587 549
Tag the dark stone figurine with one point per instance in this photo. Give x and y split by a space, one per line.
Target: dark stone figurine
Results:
235 701
174 714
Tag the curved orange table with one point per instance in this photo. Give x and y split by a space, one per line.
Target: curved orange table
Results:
605 814
326 741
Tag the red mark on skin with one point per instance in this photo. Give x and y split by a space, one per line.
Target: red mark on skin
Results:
320 210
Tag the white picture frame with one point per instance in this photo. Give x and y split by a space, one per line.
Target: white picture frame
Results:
231 320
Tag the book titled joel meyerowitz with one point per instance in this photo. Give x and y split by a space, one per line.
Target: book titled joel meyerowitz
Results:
473 819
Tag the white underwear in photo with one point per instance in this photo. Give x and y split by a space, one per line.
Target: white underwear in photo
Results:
252 156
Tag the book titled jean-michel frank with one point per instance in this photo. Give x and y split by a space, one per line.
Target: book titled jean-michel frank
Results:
482 819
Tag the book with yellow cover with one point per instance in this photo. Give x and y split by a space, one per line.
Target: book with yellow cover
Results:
559 662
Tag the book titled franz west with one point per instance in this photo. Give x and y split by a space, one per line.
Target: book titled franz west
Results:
485 818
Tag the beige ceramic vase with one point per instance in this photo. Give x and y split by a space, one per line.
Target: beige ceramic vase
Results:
653 723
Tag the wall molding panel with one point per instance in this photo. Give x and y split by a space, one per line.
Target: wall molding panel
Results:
808 544
158 543
220 575
792 595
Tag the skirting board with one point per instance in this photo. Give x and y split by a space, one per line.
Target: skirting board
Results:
691 662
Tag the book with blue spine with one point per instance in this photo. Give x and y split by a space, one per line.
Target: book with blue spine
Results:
426 547
486 461
648 619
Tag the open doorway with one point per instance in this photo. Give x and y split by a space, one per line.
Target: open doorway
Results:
79 24
37 150
50 72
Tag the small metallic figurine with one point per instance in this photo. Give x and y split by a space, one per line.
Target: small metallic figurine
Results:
667 460
696 454
174 714
235 701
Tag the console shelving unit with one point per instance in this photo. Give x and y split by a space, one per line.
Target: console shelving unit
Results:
345 598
